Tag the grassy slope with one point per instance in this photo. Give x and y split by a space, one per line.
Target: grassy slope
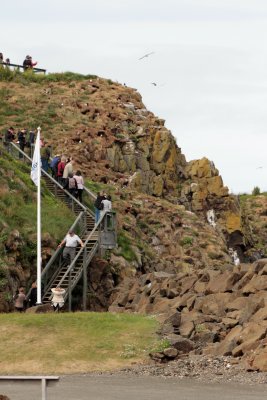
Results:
18 213
72 343
18 201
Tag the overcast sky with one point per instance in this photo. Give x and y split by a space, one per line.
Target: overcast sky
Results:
209 63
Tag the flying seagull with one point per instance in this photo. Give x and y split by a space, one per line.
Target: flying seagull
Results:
146 55
156 84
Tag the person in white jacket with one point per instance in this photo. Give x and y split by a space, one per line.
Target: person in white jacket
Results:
106 205
58 298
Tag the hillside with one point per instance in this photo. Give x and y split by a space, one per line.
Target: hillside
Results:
169 257
18 228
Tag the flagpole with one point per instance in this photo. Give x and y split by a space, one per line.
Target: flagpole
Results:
39 257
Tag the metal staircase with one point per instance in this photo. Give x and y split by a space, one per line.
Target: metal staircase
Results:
95 237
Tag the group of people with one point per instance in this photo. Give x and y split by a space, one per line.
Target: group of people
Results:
2 60
28 63
102 204
23 137
62 169
22 302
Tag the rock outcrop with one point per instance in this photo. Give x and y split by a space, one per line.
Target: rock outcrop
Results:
222 312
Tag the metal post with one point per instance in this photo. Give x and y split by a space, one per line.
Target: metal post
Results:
70 300
84 280
43 389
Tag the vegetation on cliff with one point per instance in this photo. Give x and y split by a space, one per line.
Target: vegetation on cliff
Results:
169 257
18 227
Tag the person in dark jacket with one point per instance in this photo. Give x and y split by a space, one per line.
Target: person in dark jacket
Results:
22 140
9 137
98 205
54 164
71 185
32 299
28 63
45 155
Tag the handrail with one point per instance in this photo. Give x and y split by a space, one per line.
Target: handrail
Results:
54 181
45 380
80 251
58 250
88 191
25 69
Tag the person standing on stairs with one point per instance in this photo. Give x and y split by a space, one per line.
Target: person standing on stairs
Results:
45 155
68 169
80 183
71 241
98 205
106 205
71 185
54 165
22 140
60 170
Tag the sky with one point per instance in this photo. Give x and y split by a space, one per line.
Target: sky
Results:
209 64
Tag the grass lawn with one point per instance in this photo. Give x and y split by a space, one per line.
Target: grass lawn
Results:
70 343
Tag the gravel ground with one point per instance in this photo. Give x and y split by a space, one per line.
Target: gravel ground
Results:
200 368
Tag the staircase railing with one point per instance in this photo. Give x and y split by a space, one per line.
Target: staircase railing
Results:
105 228
54 264
13 149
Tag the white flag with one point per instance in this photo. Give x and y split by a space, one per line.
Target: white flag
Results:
36 160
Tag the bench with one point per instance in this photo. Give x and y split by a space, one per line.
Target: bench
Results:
45 380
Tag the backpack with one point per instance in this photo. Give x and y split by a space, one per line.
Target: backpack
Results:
27 63
56 166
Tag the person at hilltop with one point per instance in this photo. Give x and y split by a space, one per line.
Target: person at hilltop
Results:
58 298
28 63
80 183
20 299
1 58
70 241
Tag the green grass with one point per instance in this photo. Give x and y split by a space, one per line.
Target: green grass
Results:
125 246
18 213
29 76
74 342
18 204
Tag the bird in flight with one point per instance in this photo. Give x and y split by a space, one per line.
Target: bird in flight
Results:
146 55
156 84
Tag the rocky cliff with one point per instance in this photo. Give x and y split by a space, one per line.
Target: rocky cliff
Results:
176 219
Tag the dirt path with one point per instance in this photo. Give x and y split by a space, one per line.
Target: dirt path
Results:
121 387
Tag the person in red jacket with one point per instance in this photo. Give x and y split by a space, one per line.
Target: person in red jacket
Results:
60 170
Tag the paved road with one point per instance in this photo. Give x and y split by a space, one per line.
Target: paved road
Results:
118 387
